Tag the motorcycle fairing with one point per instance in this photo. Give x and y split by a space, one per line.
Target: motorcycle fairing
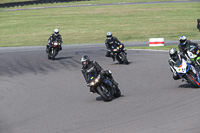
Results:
181 67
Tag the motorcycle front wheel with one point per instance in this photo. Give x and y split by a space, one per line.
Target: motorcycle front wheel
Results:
53 54
125 58
191 78
105 93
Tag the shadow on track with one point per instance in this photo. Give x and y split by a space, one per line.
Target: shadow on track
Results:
63 58
99 98
187 86
117 63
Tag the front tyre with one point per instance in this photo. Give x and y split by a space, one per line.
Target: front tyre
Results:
125 58
49 57
53 54
105 93
49 54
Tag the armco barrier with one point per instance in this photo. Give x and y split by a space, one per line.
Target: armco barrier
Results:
13 4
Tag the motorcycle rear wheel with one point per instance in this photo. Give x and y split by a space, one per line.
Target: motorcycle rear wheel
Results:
117 92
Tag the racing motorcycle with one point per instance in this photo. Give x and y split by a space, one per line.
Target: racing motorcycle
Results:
121 55
193 57
53 50
187 72
103 86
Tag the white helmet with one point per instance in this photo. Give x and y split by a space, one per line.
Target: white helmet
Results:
182 40
109 34
56 32
173 54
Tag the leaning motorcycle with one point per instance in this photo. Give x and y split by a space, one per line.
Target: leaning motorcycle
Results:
120 55
53 50
103 86
187 72
193 57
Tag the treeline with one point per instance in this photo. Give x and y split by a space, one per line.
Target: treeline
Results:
13 4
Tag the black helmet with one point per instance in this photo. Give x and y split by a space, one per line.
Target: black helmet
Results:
173 54
85 60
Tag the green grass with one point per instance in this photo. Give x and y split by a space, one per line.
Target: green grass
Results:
93 1
89 24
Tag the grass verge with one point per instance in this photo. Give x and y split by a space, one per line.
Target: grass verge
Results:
89 2
89 24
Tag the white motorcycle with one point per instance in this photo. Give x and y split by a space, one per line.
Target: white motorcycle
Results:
187 72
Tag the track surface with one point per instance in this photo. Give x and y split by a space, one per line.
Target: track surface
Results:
38 95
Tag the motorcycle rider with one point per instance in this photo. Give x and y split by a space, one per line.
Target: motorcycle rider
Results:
111 43
184 44
174 56
90 66
55 36
195 50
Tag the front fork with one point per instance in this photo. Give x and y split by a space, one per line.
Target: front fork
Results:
173 71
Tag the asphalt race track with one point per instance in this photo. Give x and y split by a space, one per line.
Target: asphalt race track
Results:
38 95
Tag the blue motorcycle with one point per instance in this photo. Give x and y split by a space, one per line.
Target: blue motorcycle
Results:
187 72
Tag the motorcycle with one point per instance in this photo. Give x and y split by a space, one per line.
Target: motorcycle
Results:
186 71
53 50
193 57
121 55
103 86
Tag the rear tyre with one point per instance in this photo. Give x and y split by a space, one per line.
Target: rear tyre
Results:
117 92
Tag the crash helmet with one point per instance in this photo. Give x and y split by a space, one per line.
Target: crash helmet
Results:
56 32
173 54
183 40
85 60
109 35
